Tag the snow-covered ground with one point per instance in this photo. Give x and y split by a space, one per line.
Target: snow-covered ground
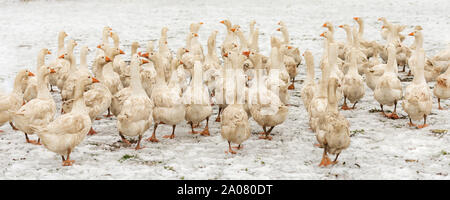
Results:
382 148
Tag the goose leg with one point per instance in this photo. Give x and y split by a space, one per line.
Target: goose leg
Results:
109 113
325 159
173 133
230 149
68 162
192 128
291 87
124 139
12 126
394 115
205 131
335 159
345 107
218 115
239 147
382 111
153 137
424 122
353 107
411 123
31 141
138 146
439 103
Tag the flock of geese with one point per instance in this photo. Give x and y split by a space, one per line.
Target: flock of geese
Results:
157 88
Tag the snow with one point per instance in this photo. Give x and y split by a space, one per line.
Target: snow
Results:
387 149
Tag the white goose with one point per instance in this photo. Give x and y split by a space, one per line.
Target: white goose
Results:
197 100
136 114
310 87
56 64
418 96
353 84
9 104
67 131
39 111
388 90
31 89
167 99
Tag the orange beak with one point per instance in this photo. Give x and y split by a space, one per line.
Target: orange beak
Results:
107 59
289 47
225 54
99 46
233 29
121 52
110 34
181 62
324 25
341 26
322 35
246 53
383 27
48 52
278 29
52 71
61 56
186 50
356 18
303 54
30 74
145 55
139 53
144 61
379 19
411 34
201 23
223 21
195 34
94 80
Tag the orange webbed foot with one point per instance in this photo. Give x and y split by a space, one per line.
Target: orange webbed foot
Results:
139 147
325 161
171 136
34 142
152 139
411 124
422 126
218 119
291 87
205 132
92 132
345 107
230 151
107 115
239 147
393 116
266 137
68 162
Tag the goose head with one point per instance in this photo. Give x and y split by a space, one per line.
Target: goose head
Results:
326 34
328 25
227 23
194 27
102 60
281 23
359 20
346 27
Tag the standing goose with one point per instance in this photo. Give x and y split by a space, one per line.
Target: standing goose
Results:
39 111
66 71
97 97
353 84
309 88
197 100
167 100
265 106
136 114
67 131
334 131
56 64
442 88
418 97
388 90
69 86
234 126
12 102
31 89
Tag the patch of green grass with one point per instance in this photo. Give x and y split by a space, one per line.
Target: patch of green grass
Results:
357 131
443 152
439 131
169 168
127 157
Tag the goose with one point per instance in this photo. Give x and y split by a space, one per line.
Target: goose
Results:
319 102
12 102
230 39
283 29
442 87
211 66
334 69
106 33
110 52
266 107
334 133
97 96
309 88
67 131
234 126
31 88
136 114
418 97
220 90
353 84
53 78
124 69
197 100
253 37
341 45
385 32
167 100
119 98
66 70
69 85
111 80
164 52
431 70
278 77
388 90
39 111
192 54
329 39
